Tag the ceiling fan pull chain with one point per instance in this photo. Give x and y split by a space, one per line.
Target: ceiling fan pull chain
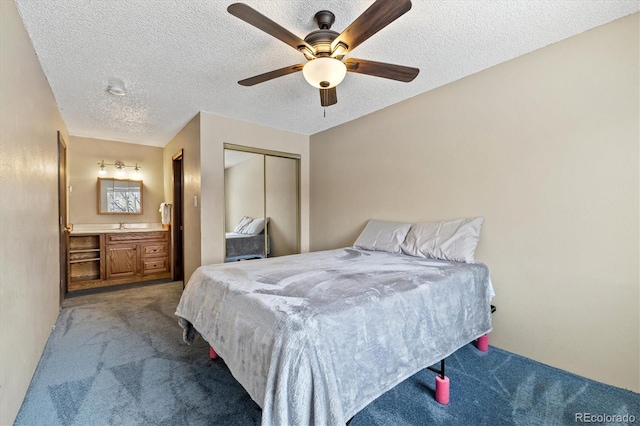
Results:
324 113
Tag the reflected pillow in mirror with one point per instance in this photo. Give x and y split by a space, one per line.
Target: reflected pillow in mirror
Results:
255 227
380 235
246 220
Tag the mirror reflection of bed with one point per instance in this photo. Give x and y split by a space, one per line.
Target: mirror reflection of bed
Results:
261 204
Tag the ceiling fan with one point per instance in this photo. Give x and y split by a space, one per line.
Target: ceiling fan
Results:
325 49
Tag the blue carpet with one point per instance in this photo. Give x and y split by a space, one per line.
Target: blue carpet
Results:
118 358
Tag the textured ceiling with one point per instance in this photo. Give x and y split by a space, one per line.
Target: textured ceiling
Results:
180 57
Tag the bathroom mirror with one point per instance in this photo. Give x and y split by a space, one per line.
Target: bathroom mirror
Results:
119 196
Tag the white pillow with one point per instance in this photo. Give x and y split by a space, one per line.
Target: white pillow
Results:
380 235
246 220
255 227
452 240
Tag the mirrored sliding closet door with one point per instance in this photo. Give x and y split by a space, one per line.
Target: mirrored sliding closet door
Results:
261 203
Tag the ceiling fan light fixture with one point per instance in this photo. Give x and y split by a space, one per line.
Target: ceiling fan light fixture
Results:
324 73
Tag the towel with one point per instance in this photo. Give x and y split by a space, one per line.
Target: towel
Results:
165 213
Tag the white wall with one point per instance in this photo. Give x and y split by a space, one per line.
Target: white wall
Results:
546 148
29 262
215 132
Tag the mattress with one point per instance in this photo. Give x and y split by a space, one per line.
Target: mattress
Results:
315 337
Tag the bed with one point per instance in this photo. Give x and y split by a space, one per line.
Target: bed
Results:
315 337
245 246
247 241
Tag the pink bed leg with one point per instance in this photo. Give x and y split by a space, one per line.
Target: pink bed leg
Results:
442 390
212 353
483 343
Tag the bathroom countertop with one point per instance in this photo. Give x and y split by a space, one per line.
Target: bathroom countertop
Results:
103 228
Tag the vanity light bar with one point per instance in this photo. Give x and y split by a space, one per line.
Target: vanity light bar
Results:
120 166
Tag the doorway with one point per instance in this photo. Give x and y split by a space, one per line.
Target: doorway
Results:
62 214
178 217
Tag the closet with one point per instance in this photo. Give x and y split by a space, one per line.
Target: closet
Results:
261 184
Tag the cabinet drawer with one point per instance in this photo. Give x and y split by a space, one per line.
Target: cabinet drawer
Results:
154 266
125 237
155 249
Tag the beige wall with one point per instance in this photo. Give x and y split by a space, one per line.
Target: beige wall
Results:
215 132
203 140
85 153
244 191
545 147
29 263
187 140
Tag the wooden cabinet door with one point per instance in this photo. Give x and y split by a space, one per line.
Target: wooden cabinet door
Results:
122 260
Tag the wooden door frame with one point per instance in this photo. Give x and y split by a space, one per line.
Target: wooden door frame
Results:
177 250
62 214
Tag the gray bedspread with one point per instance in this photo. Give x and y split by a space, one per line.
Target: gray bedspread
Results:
315 337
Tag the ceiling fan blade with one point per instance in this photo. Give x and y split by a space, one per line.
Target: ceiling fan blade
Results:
258 20
376 17
270 75
380 69
328 97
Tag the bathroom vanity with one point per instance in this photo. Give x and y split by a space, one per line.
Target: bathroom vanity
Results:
105 257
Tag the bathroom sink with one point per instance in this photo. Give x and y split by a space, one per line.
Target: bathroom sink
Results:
101 228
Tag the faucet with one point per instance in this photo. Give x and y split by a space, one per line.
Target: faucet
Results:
121 225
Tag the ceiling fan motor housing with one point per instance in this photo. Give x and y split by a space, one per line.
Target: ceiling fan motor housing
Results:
321 39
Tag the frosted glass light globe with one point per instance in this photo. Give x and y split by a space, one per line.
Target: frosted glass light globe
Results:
324 73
